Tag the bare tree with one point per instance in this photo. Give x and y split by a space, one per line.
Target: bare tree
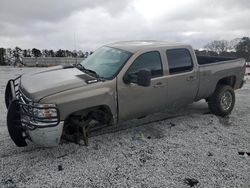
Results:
17 54
217 46
243 48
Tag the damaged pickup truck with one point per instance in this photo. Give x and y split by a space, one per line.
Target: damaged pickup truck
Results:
118 82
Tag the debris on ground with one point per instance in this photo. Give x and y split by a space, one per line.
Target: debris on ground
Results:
172 124
210 154
191 181
60 168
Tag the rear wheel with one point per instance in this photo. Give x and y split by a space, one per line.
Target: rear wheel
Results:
222 101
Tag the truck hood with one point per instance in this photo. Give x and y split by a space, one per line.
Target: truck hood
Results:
39 84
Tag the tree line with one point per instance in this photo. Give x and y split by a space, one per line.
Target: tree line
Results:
15 55
239 47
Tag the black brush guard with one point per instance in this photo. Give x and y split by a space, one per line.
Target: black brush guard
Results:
20 116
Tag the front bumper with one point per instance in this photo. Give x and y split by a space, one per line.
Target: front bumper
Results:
23 124
46 137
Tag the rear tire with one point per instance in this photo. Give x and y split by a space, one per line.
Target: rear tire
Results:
222 101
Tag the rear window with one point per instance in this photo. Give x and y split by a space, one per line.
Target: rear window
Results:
179 60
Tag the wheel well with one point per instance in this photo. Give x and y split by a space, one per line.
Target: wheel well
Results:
78 124
101 113
230 80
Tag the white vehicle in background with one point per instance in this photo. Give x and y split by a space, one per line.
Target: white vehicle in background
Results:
247 74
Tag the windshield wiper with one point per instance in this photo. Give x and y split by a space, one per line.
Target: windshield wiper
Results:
88 71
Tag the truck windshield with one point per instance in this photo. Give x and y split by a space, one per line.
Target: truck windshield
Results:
106 61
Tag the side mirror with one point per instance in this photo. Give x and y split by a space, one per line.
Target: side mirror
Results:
142 78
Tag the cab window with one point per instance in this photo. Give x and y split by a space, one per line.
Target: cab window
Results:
150 61
179 60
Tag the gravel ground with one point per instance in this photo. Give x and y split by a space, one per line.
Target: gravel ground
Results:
195 145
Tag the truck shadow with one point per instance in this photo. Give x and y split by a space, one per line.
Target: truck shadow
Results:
199 108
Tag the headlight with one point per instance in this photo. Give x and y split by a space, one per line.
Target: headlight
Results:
44 111
39 115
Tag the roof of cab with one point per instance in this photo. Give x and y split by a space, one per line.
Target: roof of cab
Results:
134 46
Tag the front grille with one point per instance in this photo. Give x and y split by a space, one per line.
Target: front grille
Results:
23 98
27 108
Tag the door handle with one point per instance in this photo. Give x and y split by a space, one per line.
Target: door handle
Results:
190 78
132 84
159 84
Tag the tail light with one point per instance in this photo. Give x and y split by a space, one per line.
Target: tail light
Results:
245 68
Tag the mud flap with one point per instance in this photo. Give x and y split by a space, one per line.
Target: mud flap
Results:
14 123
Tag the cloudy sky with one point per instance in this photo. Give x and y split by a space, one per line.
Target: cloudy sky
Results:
86 24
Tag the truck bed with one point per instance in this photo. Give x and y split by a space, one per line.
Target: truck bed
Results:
216 68
202 60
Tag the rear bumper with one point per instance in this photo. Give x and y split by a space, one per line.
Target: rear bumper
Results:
242 83
23 124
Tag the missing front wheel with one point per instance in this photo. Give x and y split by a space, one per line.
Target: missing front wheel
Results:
78 129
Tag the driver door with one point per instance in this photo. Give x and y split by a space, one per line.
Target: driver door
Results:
135 101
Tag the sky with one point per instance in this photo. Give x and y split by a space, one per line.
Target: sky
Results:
88 24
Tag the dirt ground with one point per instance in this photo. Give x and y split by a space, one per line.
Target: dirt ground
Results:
162 150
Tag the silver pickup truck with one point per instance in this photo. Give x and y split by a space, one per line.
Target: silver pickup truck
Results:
118 82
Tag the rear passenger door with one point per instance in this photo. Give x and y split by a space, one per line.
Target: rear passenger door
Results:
182 79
